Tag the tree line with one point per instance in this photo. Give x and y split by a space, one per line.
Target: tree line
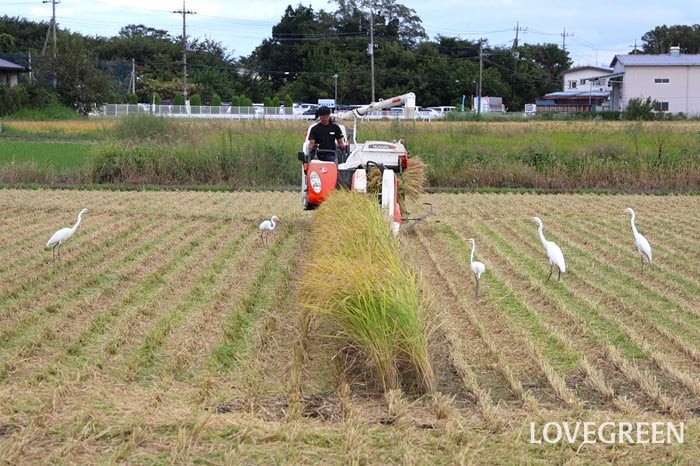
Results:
309 55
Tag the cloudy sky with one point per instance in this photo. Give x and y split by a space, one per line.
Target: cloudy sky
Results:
592 32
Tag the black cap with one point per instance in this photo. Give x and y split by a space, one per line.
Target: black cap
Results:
324 110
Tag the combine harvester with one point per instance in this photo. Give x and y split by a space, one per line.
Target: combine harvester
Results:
355 166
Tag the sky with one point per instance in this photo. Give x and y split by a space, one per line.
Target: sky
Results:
592 32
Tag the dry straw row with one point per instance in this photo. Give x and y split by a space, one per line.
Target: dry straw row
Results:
358 293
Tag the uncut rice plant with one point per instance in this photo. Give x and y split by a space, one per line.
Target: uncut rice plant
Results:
370 301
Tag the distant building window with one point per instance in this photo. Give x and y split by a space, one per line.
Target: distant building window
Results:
661 106
582 81
572 84
662 80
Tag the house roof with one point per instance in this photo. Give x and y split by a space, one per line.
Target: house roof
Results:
585 68
8 65
656 60
574 94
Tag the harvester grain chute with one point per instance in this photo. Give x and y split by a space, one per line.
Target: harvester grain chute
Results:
373 167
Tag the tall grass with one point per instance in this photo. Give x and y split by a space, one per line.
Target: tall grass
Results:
363 296
541 155
621 156
153 150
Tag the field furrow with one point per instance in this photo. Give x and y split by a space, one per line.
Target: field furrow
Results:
672 284
170 334
562 333
77 341
187 349
487 381
587 304
253 353
526 372
145 315
48 295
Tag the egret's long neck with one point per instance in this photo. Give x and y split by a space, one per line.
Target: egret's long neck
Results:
540 233
272 221
80 217
471 257
634 227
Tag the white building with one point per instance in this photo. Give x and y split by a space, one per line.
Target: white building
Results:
582 78
672 81
585 89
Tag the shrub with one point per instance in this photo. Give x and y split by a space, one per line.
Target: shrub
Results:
640 110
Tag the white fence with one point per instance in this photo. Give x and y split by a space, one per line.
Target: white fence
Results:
197 111
233 113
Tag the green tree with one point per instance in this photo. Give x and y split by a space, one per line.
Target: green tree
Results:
78 81
660 39
392 21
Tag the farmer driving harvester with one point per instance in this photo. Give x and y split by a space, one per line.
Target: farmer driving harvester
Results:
324 136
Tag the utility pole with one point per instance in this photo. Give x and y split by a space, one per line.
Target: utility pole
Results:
371 47
51 31
481 74
52 28
335 93
132 78
184 12
564 35
517 29
634 50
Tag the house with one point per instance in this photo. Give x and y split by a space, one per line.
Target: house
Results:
580 77
9 73
585 89
672 81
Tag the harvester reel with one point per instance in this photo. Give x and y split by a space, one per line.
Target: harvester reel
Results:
417 220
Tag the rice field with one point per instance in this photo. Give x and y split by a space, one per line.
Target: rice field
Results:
168 333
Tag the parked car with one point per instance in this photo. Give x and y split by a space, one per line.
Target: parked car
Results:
301 109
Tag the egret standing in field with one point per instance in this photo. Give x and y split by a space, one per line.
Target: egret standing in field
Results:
640 241
477 267
58 238
556 257
266 227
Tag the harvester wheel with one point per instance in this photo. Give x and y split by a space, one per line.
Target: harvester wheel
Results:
305 203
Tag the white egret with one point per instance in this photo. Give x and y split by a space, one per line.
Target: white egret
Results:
556 257
266 227
640 241
477 267
58 238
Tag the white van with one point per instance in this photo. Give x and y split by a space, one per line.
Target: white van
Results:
443 109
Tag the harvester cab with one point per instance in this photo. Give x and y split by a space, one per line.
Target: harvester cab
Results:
369 167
